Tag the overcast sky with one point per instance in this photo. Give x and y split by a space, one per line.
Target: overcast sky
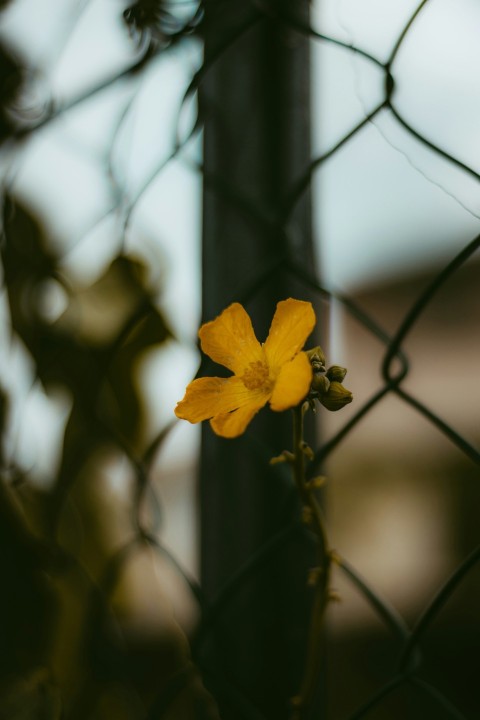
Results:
385 203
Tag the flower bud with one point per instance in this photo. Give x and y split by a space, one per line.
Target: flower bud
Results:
336 397
317 359
336 373
320 384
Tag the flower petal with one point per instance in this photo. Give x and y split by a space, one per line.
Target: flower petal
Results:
292 323
210 396
230 340
293 383
230 425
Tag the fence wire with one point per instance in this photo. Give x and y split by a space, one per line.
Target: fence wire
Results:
71 645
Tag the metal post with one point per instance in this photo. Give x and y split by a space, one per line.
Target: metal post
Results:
256 113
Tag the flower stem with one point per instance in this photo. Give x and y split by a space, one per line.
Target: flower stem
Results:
319 576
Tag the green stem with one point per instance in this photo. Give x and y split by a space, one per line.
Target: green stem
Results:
300 702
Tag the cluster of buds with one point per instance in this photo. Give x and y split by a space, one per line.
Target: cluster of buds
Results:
326 384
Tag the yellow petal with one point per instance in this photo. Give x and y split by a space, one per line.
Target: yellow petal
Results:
230 340
293 383
230 425
292 323
209 396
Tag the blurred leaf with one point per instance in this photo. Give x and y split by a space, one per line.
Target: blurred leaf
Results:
117 319
11 80
26 600
27 266
3 422
93 347
134 638
164 20
30 697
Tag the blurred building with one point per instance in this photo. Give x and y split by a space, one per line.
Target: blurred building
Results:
403 499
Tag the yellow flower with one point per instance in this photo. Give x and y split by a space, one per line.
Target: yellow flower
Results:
275 372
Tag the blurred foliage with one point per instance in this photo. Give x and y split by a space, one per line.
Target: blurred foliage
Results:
165 20
11 79
92 349
3 422
86 628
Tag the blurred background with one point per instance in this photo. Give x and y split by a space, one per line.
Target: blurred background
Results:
159 160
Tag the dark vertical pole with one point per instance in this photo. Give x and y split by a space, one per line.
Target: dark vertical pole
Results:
256 113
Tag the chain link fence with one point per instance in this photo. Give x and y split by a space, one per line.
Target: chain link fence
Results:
100 539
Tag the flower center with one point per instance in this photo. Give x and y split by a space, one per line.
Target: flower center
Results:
257 376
